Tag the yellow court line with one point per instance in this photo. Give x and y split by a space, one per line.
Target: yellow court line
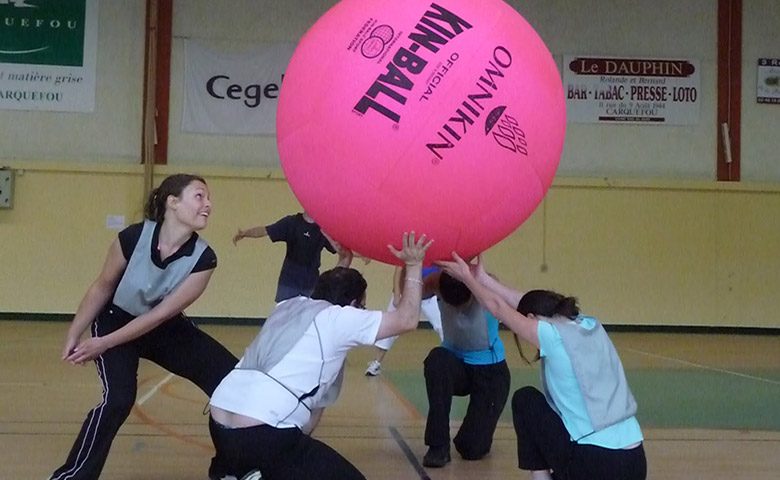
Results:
408 406
139 412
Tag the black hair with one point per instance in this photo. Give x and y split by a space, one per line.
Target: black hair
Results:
172 185
453 291
340 286
545 303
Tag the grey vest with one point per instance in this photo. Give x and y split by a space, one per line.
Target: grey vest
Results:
281 331
600 375
465 327
144 284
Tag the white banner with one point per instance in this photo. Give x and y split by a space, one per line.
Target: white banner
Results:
768 87
233 93
48 52
631 90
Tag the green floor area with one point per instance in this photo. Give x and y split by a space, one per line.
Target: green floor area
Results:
667 398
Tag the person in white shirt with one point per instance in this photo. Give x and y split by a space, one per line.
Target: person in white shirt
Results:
264 410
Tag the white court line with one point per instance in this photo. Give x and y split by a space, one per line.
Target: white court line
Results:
705 367
154 389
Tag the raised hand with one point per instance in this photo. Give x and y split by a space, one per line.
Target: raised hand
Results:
345 256
238 236
462 270
412 251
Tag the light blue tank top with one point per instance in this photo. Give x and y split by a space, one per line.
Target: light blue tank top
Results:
565 395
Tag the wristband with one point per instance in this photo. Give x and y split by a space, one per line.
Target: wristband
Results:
414 280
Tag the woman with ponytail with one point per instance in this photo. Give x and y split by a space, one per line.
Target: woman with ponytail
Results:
583 425
153 271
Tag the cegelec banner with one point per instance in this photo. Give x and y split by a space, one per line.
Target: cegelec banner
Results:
228 93
631 90
48 52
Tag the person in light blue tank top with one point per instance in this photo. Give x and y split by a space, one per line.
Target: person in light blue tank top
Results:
582 426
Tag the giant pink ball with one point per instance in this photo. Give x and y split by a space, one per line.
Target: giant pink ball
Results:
445 118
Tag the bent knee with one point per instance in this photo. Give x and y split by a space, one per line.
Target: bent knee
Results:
526 396
437 359
119 405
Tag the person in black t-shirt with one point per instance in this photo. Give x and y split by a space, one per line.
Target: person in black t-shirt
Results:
305 242
153 271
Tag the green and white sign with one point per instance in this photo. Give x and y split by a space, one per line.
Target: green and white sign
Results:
48 51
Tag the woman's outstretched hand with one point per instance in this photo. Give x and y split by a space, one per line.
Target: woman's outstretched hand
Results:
462 270
412 251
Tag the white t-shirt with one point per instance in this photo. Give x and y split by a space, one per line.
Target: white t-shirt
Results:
273 398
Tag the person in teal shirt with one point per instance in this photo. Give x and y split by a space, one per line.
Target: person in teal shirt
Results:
469 362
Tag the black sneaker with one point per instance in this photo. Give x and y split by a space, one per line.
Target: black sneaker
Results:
437 457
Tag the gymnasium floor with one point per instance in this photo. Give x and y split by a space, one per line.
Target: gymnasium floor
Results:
709 406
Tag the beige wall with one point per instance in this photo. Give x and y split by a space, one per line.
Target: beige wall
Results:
685 29
655 251
634 252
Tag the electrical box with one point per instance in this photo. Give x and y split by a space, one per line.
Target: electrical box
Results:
6 187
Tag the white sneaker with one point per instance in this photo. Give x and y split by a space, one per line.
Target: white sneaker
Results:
374 368
253 475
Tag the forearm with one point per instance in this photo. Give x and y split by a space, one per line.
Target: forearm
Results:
94 300
508 294
489 299
398 279
411 296
506 313
406 316
254 232
169 307
137 327
345 257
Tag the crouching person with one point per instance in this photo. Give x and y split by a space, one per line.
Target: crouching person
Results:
264 410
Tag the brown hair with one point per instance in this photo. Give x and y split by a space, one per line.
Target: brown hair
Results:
546 303
172 185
